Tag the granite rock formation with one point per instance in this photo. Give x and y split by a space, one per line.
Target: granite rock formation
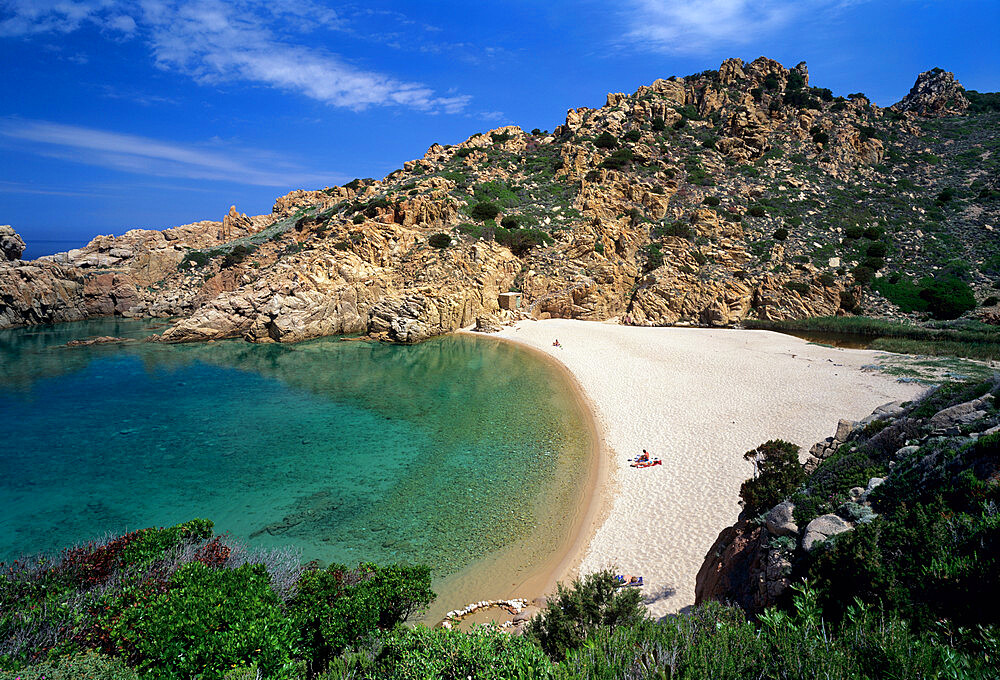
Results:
725 195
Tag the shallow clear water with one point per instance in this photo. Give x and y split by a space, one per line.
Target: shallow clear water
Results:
350 451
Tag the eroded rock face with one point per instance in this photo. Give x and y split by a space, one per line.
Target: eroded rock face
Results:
11 244
936 93
40 292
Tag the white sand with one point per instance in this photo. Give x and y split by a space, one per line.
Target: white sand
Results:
698 399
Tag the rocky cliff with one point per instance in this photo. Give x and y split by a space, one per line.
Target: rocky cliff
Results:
742 192
950 432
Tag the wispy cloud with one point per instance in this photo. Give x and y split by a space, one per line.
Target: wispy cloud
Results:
697 26
255 41
147 156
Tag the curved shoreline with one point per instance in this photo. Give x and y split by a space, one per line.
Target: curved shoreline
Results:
698 399
487 578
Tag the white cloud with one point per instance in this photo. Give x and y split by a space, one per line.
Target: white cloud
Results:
144 155
256 41
695 26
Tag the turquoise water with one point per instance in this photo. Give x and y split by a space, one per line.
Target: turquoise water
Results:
349 451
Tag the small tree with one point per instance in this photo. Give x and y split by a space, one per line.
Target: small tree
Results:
777 473
576 613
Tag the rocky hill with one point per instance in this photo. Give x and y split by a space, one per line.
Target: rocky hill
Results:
742 192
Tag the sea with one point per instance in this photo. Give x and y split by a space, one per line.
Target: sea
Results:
344 451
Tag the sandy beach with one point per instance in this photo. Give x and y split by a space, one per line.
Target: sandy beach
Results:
697 399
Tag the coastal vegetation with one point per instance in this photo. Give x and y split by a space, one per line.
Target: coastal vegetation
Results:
961 338
897 594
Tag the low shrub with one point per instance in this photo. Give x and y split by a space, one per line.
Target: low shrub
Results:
484 210
756 211
680 229
578 612
439 240
490 654
632 136
712 200
520 241
618 159
202 624
780 234
947 297
800 287
654 257
606 140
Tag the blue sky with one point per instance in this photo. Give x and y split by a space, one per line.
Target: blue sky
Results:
155 113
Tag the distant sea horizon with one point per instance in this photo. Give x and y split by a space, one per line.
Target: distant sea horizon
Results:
38 247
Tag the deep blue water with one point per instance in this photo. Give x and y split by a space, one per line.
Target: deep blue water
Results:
35 248
349 451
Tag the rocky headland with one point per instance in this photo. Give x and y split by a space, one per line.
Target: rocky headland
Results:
730 194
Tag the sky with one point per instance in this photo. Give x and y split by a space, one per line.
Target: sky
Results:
154 113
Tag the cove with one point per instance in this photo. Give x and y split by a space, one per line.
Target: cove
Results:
438 453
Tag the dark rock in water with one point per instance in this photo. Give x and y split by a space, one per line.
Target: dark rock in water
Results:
100 340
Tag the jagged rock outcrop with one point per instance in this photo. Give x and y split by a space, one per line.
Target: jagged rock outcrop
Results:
705 200
936 93
11 244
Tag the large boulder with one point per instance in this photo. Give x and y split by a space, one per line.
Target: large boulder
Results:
11 244
822 528
780 520
961 414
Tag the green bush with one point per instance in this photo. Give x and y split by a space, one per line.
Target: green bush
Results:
509 222
878 249
680 229
334 607
484 210
520 241
853 232
438 654
800 287
873 233
204 623
576 613
795 80
439 240
237 255
632 136
780 234
712 200
904 293
358 219
776 474
947 297
863 274
654 257
618 159
90 664
756 211
606 140
659 125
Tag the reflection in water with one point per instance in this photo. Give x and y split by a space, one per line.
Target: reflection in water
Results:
350 450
